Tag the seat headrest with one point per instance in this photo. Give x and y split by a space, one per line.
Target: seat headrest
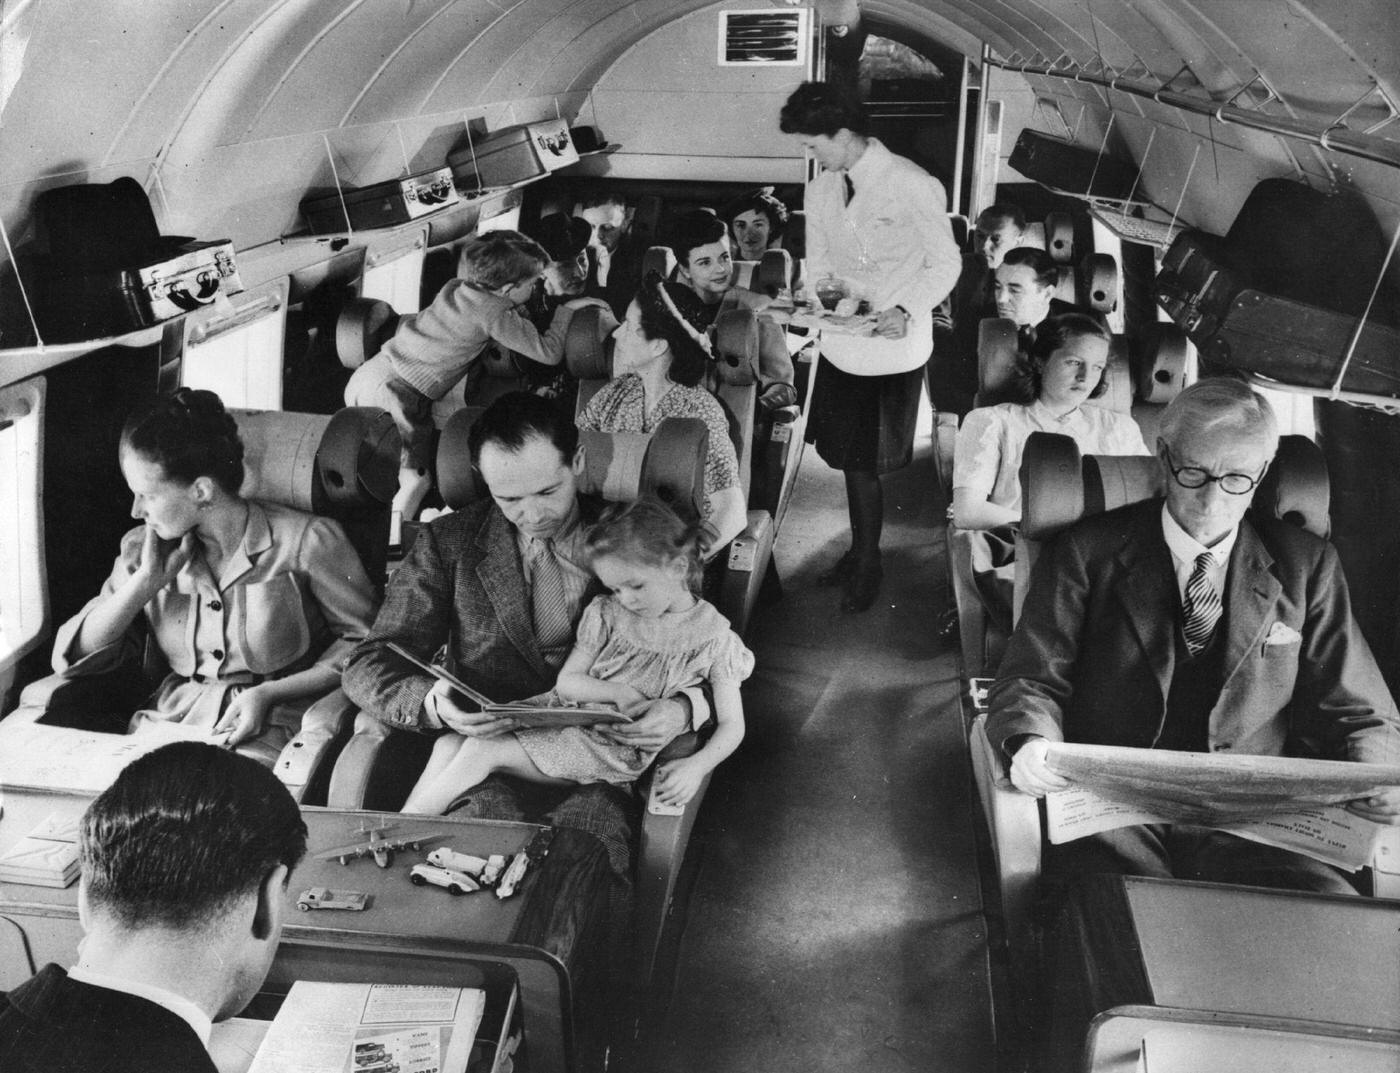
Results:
587 349
1098 282
775 273
362 329
1118 379
736 346
1059 236
458 482
1059 486
998 358
659 259
316 461
1296 488
1161 364
668 462
962 233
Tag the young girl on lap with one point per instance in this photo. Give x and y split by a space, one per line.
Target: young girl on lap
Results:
651 637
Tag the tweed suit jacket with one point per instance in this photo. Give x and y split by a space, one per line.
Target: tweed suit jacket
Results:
461 585
1093 655
57 1025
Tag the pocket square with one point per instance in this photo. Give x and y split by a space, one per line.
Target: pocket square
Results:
1281 634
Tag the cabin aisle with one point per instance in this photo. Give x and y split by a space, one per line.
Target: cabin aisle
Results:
836 920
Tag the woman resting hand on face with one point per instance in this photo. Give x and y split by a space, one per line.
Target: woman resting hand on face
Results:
254 606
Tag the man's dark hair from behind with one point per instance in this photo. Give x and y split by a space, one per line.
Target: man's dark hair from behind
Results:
515 418
184 831
823 108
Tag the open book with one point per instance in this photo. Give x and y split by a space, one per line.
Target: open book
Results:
371 1028
525 713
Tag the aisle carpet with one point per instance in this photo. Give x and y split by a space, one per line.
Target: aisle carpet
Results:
835 922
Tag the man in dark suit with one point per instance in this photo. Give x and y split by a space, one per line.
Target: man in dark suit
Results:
1183 624
952 372
616 252
501 584
185 862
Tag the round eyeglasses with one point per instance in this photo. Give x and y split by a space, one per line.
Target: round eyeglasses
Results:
1236 484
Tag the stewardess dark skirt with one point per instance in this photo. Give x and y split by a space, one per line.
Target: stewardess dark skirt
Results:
864 422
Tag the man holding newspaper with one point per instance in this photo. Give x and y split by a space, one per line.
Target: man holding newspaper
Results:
1182 624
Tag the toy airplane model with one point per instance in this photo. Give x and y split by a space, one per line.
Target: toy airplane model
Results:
382 849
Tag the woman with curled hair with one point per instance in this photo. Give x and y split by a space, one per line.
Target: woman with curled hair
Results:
1065 369
254 606
756 222
660 354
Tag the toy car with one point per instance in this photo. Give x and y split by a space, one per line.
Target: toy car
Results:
484 870
325 898
456 882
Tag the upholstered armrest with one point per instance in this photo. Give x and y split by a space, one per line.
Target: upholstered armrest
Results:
661 851
350 779
102 702
1013 820
302 762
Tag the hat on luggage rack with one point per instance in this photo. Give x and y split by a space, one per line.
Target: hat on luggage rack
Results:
563 237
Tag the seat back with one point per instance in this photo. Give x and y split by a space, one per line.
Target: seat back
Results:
343 465
999 361
668 462
1059 487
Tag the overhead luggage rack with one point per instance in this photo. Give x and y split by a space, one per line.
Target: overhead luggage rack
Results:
1148 229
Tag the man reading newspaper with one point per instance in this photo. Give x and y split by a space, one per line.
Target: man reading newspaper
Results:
1183 624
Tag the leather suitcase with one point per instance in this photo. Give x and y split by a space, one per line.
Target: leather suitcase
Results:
1070 167
394 201
1303 345
502 158
103 268
1197 283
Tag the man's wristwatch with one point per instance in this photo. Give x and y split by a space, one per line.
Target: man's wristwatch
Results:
905 312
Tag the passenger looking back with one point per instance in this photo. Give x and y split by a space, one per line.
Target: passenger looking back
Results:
756 222
952 371
432 350
1063 373
704 265
253 606
660 356
615 253
649 636
1187 624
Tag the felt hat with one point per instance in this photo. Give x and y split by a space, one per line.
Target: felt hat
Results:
563 237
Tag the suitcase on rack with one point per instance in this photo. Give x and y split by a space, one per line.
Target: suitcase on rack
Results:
502 158
386 204
102 267
1070 167
1197 283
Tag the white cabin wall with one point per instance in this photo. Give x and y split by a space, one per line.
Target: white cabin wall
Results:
678 114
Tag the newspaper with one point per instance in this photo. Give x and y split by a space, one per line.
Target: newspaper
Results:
371 1028
1280 801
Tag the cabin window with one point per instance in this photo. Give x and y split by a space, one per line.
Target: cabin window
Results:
23 593
394 274
235 351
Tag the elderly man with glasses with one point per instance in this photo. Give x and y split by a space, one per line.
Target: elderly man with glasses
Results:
1182 623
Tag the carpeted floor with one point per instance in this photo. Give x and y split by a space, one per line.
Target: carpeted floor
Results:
835 922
